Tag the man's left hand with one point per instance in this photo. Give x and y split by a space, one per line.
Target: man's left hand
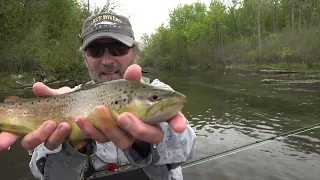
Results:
131 126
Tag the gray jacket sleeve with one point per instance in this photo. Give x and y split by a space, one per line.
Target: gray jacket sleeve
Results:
162 162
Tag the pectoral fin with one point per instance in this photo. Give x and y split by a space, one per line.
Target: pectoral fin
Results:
101 115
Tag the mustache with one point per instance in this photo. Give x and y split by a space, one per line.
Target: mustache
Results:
110 68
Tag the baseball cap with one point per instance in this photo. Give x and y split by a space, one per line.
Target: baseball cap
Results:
107 24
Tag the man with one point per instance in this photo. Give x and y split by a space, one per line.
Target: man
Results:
110 53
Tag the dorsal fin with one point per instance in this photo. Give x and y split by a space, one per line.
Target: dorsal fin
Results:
12 98
94 85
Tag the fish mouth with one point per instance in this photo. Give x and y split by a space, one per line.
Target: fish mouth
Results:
163 111
179 105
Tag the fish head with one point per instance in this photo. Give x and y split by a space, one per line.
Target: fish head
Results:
151 104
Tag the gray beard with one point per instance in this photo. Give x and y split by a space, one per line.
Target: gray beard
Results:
111 68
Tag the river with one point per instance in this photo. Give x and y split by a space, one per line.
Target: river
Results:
229 109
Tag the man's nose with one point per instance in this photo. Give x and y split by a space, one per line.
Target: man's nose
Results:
107 57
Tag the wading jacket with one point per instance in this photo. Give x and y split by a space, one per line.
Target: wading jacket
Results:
162 162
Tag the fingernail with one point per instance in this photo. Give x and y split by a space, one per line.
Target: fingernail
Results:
62 129
77 119
125 121
49 127
79 122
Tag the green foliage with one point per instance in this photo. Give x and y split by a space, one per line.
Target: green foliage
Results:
245 32
42 36
60 54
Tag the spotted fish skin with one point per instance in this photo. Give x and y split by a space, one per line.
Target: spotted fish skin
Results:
149 103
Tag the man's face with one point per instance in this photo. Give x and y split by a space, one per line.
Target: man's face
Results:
108 59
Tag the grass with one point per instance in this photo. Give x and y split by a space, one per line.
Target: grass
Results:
7 81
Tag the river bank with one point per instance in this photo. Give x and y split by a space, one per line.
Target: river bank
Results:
294 67
276 68
27 79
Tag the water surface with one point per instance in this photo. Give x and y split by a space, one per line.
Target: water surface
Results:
228 110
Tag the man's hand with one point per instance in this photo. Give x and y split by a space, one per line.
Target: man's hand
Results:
130 125
53 135
49 132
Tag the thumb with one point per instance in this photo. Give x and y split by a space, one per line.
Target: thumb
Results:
133 73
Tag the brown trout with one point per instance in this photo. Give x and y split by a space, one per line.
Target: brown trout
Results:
149 103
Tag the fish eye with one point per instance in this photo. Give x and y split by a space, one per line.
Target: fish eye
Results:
154 97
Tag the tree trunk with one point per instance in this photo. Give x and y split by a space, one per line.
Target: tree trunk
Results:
88 6
235 24
300 15
311 12
275 17
259 30
292 15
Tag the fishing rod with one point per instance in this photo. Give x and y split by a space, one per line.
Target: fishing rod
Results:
250 146
216 156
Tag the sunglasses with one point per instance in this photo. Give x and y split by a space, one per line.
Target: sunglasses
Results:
96 50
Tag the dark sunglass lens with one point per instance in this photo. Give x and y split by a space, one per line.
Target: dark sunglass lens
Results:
95 52
116 49
119 50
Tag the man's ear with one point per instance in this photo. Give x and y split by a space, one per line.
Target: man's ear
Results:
85 62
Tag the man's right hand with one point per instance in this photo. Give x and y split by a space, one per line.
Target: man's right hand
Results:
49 132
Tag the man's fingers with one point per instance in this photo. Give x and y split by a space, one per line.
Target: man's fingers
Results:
58 136
90 130
178 123
110 132
119 137
33 139
7 139
133 73
40 89
140 130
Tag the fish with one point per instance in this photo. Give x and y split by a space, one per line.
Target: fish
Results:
151 104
